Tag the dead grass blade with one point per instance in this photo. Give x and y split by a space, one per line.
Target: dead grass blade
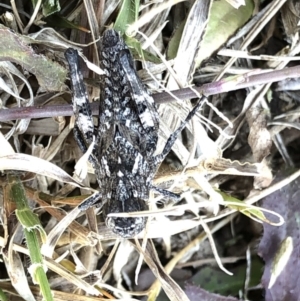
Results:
172 289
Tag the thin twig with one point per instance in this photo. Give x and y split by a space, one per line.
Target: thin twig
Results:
225 85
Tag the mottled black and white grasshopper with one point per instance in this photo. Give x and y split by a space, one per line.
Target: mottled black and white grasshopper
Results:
125 139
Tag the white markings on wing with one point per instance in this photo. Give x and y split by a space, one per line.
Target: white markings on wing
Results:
86 124
107 113
106 167
137 160
146 118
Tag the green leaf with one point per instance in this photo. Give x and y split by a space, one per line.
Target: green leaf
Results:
61 22
26 217
175 41
30 223
15 48
33 245
3 297
42 280
50 7
216 281
128 14
224 21
248 210
138 53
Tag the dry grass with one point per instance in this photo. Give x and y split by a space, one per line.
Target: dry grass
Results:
245 132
